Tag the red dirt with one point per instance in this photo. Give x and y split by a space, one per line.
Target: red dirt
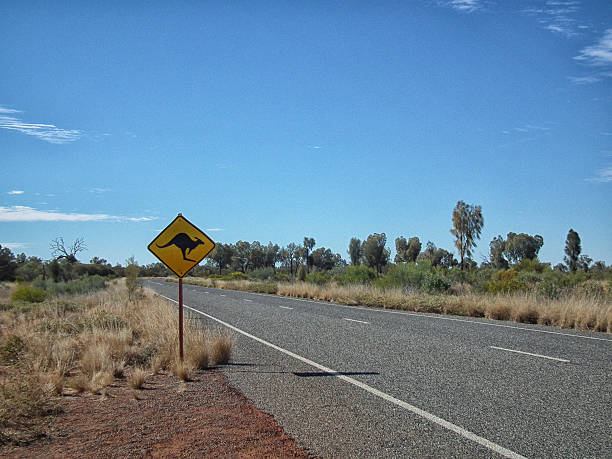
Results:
168 418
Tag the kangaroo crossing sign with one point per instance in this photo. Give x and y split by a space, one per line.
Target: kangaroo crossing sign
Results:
181 246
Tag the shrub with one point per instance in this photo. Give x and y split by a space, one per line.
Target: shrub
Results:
361 274
404 275
29 294
301 274
318 278
506 282
12 349
236 276
263 274
434 283
549 289
137 378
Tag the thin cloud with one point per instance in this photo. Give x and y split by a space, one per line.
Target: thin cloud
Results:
599 54
15 192
557 17
14 245
603 176
464 5
47 132
29 214
214 229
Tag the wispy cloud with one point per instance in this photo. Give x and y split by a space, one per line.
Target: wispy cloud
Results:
14 245
212 230
597 56
14 192
558 17
29 214
47 132
466 5
463 5
602 176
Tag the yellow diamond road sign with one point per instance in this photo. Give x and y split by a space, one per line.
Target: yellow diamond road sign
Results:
181 246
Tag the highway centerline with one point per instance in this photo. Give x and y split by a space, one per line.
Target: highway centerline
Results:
531 354
285 307
355 320
250 301
411 408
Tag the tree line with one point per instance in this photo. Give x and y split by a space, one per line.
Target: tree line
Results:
299 259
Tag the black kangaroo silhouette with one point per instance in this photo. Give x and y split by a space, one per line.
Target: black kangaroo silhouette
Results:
183 242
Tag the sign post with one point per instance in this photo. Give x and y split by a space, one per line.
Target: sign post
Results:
181 246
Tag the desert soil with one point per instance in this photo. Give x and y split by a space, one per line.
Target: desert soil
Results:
204 417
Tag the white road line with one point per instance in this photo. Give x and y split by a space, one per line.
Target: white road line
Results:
250 301
413 409
285 307
354 320
222 295
529 353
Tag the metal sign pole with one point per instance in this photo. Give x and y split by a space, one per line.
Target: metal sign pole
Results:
180 311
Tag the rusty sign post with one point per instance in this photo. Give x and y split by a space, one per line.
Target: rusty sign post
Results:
181 246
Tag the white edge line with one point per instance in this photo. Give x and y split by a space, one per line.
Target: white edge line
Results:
529 353
285 307
355 320
424 414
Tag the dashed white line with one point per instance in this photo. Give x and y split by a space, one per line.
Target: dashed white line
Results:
250 301
355 320
222 295
407 406
531 354
285 307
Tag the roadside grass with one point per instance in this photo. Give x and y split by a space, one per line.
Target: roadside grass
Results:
79 344
577 310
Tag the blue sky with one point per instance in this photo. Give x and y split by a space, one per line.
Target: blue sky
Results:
275 120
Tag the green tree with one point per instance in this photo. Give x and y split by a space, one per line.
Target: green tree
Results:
467 224
222 256
497 247
309 243
572 250
240 256
407 251
7 264
354 251
375 254
522 246
292 249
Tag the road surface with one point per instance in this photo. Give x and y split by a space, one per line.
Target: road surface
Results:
351 381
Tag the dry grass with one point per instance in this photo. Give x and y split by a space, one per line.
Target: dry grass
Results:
578 311
77 344
137 378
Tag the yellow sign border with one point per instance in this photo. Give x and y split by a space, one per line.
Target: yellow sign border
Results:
168 226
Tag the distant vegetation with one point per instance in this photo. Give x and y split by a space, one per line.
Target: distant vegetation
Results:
418 271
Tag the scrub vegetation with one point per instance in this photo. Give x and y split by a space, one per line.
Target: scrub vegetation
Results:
61 344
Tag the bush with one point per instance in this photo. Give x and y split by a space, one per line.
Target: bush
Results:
549 289
235 276
318 278
434 283
506 282
29 294
263 274
301 274
357 275
404 275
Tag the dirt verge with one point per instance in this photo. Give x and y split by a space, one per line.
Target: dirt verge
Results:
168 418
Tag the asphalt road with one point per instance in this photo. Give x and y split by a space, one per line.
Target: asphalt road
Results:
349 381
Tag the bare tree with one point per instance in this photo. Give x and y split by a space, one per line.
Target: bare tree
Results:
59 249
